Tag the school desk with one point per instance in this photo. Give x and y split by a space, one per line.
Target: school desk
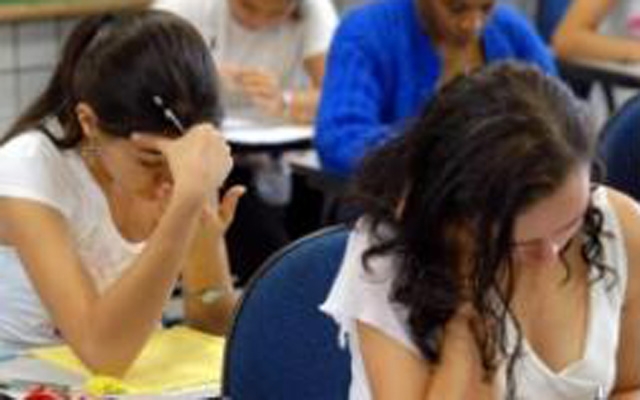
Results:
609 73
176 363
26 368
248 136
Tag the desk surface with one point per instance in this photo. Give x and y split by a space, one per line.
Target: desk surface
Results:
248 135
33 369
616 73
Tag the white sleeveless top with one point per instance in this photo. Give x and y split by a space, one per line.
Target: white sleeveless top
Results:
280 49
363 296
32 168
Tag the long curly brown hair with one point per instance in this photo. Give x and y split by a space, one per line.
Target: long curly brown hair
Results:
487 147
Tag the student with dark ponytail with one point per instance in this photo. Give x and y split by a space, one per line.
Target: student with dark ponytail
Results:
108 193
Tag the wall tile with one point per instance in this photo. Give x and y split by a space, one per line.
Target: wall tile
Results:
37 43
31 83
7 95
7 50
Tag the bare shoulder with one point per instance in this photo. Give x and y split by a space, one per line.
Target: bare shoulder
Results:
627 211
18 217
393 371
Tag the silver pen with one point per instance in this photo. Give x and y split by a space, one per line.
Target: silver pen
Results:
168 113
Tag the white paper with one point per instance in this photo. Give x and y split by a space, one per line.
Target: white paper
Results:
247 132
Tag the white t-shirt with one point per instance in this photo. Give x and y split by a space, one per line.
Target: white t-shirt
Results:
32 168
280 50
359 295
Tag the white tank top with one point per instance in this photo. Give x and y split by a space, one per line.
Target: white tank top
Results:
356 295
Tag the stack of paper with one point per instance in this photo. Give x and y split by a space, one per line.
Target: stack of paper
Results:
174 359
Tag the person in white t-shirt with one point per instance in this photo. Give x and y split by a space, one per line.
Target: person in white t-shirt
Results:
600 29
272 51
108 194
489 264
271 54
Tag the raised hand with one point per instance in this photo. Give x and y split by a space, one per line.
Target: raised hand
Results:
263 89
199 161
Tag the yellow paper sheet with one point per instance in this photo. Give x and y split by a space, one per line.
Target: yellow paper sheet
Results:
173 359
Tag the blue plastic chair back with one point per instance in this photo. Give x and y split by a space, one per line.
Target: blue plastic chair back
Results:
281 346
620 148
549 15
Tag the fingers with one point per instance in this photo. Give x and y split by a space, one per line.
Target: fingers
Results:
203 126
229 204
261 91
259 84
229 71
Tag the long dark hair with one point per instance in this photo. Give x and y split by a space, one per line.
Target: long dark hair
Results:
486 148
117 64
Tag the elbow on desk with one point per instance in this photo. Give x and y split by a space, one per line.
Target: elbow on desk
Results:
106 359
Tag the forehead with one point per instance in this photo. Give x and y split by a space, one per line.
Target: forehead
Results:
555 212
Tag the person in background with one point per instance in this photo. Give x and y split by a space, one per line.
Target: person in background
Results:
108 194
271 51
271 55
600 29
488 263
388 58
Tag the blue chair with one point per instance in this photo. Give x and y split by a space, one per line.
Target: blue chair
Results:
620 148
280 345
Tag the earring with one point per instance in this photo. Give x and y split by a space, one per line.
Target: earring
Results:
90 149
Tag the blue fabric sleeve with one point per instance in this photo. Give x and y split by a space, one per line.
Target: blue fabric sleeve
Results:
349 117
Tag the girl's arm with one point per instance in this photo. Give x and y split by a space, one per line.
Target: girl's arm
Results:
395 372
578 36
108 331
207 284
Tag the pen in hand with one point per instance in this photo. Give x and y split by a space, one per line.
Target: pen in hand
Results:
171 116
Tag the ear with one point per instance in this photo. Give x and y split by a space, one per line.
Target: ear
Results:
87 119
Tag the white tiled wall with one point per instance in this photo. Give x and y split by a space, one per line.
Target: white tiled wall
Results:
28 53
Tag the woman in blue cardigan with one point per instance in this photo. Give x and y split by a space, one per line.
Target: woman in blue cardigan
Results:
389 57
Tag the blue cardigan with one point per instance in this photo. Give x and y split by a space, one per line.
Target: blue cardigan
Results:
382 67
